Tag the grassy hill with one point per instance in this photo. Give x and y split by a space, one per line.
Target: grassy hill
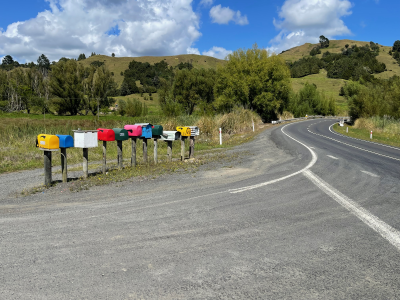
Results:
332 86
120 64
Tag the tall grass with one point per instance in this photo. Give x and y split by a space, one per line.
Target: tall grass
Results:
17 135
387 125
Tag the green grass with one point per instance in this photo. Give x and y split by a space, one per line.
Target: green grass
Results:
153 105
364 134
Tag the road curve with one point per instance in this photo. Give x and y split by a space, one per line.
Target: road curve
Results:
305 214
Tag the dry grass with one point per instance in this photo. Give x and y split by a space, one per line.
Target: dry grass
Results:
153 105
120 64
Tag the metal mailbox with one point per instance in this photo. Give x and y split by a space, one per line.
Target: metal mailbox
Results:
146 130
171 136
195 130
185 131
157 130
66 141
47 141
133 130
85 138
105 135
121 134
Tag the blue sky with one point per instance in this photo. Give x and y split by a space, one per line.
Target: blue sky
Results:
67 28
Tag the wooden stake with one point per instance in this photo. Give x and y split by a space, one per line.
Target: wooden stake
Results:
183 148
191 149
119 148
169 150
155 151
64 164
104 157
85 162
133 157
145 151
47 168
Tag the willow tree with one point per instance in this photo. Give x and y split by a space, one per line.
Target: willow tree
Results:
253 79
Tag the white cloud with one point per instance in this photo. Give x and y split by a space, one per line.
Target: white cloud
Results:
217 52
223 15
192 51
206 2
71 27
303 21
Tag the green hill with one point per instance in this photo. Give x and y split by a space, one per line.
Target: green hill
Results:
332 86
120 64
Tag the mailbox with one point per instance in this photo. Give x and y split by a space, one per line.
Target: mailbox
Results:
157 130
120 134
195 130
146 130
133 130
66 141
106 135
85 138
171 136
185 131
47 141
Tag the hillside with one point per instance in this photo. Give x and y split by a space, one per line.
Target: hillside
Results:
120 64
332 86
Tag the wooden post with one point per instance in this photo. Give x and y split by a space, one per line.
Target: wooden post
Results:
104 157
133 157
119 149
191 149
47 168
64 164
85 162
169 150
155 151
145 150
183 148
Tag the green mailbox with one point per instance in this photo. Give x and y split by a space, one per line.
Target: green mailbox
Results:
157 130
121 134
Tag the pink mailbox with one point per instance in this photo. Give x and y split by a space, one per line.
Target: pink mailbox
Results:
133 130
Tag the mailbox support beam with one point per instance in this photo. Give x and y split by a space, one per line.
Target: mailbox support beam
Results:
145 151
47 168
155 151
119 148
64 164
133 157
85 162
191 149
104 157
169 150
183 148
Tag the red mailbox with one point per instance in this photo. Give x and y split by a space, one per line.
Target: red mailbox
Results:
106 135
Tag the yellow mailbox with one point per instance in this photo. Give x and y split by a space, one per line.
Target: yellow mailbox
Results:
185 131
47 141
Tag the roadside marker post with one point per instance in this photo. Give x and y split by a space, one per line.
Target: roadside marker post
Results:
347 129
370 135
253 125
220 136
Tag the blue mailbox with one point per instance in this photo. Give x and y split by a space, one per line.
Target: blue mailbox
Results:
146 130
66 141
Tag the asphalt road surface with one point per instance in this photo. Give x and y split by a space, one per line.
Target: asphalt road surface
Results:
307 214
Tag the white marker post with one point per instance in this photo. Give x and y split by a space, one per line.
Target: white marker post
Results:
347 129
253 125
370 135
220 136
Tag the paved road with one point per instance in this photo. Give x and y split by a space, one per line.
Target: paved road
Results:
305 216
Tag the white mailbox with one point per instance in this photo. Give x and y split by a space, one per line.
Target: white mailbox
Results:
195 130
170 136
85 138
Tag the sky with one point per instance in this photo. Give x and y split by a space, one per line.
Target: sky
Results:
67 28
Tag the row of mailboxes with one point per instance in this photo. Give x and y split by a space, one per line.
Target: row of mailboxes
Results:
90 138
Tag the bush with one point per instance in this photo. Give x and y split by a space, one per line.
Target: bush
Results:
134 108
171 108
121 107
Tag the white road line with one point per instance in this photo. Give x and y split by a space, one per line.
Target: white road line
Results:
332 157
369 173
385 230
312 162
329 138
383 145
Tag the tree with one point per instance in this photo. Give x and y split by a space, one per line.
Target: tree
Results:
43 64
113 54
81 56
324 42
253 79
8 60
396 46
